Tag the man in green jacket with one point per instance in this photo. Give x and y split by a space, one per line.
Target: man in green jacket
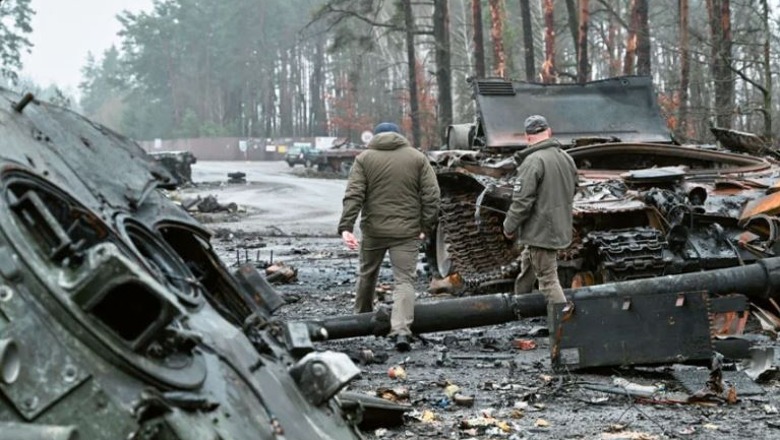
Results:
394 188
540 217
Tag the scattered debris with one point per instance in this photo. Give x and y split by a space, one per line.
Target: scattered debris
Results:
628 435
449 284
763 361
524 344
236 177
635 389
541 423
393 394
178 163
366 356
768 320
481 424
453 393
280 273
396 372
208 204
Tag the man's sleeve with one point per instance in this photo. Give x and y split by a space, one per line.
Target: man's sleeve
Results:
429 197
353 197
524 195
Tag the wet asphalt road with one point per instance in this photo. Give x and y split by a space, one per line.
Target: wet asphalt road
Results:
274 196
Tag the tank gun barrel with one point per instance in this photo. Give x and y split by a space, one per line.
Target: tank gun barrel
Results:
758 280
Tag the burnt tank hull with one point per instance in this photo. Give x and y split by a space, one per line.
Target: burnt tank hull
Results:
117 319
645 207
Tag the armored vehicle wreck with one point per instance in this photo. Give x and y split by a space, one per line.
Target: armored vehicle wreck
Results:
645 207
118 321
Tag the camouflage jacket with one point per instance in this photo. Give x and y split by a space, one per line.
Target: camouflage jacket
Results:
541 210
394 189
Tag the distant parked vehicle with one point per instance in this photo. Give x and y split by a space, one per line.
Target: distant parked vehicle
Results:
303 155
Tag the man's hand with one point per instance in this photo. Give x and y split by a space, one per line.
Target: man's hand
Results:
350 240
422 236
509 236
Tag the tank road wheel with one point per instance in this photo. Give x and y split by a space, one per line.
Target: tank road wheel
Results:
443 259
308 163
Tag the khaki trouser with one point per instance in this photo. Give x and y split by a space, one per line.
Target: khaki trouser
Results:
540 264
403 257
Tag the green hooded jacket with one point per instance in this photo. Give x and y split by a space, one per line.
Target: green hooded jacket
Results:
393 187
541 210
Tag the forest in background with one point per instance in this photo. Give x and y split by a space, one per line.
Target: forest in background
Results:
282 68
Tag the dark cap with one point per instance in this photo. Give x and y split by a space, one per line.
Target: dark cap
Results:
536 124
386 127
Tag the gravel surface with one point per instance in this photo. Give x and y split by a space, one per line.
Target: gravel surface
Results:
292 219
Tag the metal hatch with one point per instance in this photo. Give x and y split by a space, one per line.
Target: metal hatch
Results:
624 108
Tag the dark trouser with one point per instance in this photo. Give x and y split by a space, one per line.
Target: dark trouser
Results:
540 264
403 257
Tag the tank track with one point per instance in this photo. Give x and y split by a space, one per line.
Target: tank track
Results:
626 254
479 254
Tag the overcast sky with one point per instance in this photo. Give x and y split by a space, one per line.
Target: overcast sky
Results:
64 31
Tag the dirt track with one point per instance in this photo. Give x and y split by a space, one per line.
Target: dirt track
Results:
296 219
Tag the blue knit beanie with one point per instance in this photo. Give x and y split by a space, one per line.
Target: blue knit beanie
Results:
386 127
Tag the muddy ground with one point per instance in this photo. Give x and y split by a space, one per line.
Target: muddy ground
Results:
286 215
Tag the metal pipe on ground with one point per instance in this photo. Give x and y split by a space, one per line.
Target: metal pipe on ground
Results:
758 280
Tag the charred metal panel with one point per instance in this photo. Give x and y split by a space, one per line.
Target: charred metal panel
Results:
46 372
624 108
640 329
743 142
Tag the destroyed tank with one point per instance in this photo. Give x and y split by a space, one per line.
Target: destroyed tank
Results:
646 206
117 319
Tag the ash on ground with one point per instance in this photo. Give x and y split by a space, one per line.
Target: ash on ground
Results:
491 382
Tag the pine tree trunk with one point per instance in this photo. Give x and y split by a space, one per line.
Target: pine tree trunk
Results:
768 135
414 104
318 121
643 56
479 42
685 68
285 97
583 66
441 32
269 102
573 24
628 60
497 35
612 43
549 73
528 40
719 14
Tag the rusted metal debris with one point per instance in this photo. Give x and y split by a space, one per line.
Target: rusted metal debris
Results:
208 204
178 163
280 273
743 142
236 178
